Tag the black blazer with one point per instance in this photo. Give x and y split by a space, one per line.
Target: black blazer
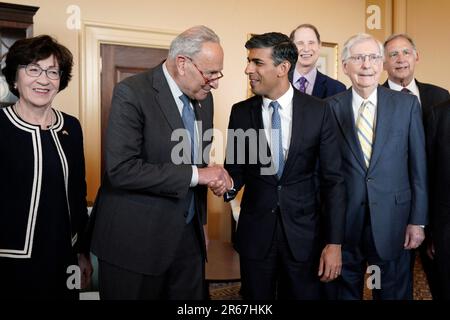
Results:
437 125
313 138
140 208
324 86
21 180
430 95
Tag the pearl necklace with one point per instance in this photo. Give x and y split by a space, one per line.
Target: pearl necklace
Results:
50 124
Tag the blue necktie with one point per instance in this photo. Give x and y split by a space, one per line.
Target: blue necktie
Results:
276 143
188 117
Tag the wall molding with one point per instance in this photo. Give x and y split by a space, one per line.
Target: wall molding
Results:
93 35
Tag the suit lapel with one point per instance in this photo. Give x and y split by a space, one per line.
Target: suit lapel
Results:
165 99
257 123
385 109
256 113
319 86
346 120
424 96
297 131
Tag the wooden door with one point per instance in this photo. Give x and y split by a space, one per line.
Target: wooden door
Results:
120 62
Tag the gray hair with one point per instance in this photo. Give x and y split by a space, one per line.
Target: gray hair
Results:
404 36
190 42
360 37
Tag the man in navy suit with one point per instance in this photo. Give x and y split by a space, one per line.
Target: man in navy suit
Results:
383 148
305 76
401 59
285 243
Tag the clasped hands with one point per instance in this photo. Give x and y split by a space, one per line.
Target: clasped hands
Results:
216 178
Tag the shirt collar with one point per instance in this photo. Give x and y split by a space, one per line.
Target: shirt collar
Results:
310 76
358 100
176 91
412 86
284 100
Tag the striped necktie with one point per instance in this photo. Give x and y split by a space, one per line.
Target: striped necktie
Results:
364 125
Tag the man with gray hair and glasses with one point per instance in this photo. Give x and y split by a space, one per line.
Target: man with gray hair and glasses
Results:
383 148
151 207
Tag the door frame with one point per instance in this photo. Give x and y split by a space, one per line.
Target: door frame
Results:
93 35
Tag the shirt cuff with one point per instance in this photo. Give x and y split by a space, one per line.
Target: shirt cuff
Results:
194 179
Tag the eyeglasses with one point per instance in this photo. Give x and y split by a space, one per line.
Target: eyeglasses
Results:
213 76
393 55
33 70
359 59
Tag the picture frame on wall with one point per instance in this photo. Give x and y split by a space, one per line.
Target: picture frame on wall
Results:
328 59
6 97
16 22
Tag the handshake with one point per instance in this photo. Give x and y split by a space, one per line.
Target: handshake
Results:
216 178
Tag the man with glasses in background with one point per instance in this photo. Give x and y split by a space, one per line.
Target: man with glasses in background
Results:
151 208
383 147
401 58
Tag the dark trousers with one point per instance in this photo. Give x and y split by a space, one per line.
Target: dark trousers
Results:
395 275
430 268
442 259
279 275
184 280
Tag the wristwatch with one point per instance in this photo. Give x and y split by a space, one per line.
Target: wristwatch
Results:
230 194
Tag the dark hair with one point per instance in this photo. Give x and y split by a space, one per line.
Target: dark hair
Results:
308 26
30 50
282 48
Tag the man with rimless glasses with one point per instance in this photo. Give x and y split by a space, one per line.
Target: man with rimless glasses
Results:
383 148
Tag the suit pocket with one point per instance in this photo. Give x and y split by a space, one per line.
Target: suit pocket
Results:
403 197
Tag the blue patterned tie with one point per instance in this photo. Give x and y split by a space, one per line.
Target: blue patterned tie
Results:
276 141
188 117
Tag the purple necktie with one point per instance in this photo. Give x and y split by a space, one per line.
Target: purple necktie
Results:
302 84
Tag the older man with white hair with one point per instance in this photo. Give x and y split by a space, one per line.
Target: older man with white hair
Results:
383 149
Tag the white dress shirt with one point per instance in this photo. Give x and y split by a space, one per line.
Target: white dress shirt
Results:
357 101
310 80
412 86
285 111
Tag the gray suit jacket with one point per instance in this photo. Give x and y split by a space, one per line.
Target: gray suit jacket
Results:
141 206
394 187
